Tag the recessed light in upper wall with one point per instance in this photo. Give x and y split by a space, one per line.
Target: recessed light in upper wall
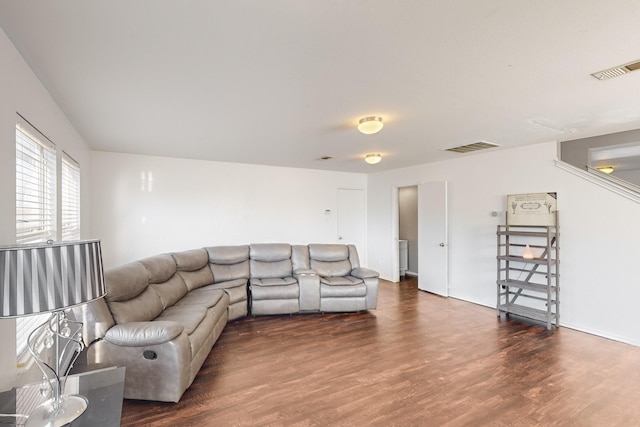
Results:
617 71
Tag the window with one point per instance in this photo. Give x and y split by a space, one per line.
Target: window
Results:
36 201
70 187
35 185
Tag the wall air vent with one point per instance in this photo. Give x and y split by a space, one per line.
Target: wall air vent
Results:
472 147
617 71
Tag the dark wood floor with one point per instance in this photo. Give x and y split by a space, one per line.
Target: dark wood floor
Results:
418 359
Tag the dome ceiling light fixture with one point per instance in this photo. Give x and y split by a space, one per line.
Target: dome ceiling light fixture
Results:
372 159
370 125
606 169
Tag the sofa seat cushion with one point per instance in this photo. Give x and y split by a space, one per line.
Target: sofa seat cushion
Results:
272 292
274 281
341 291
236 289
187 315
235 283
202 297
201 335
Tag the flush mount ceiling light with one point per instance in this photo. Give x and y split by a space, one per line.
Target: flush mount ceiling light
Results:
370 125
372 159
606 169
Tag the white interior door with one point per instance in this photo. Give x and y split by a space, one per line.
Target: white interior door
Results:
352 219
432 238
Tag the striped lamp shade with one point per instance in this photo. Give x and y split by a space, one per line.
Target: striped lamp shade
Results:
49 277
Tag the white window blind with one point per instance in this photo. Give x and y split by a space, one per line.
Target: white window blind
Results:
70 189
35 208
35 186
24 326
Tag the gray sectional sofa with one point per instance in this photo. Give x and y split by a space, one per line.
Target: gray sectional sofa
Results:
162 315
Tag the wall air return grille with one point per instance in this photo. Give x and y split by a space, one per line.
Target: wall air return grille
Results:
617 71
472 147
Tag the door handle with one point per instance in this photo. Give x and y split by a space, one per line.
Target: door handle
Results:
441 245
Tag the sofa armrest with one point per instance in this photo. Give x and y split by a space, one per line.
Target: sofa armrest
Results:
309 288
364 273
138 334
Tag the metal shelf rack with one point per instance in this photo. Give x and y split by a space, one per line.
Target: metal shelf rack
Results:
529 287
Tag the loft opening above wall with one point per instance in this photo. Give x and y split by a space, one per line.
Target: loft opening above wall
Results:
614 156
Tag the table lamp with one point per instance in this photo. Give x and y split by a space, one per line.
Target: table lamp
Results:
51 278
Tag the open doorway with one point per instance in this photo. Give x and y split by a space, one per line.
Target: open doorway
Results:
431 243
408 231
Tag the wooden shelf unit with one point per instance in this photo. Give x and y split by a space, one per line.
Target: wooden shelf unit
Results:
529 287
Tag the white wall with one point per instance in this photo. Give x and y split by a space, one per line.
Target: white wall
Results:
195 203
599 233
22 92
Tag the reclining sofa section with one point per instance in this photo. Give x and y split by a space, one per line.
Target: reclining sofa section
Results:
163 314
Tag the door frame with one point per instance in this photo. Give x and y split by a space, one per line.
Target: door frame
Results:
395 229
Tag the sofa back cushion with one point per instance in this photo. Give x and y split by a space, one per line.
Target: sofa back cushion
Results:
193 268
163 278
329 260
129 297
270 260
229 262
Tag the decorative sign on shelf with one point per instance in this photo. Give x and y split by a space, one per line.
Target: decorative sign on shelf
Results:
532 209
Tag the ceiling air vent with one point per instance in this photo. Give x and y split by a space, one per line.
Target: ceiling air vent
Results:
617 71
472 147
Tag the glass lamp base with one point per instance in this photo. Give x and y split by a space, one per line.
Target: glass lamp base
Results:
69 408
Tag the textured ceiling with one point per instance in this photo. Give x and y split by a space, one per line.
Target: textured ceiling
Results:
285 82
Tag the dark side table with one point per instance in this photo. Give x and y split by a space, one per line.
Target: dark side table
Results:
103 388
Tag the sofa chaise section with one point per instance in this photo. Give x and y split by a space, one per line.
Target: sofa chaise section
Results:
152 327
